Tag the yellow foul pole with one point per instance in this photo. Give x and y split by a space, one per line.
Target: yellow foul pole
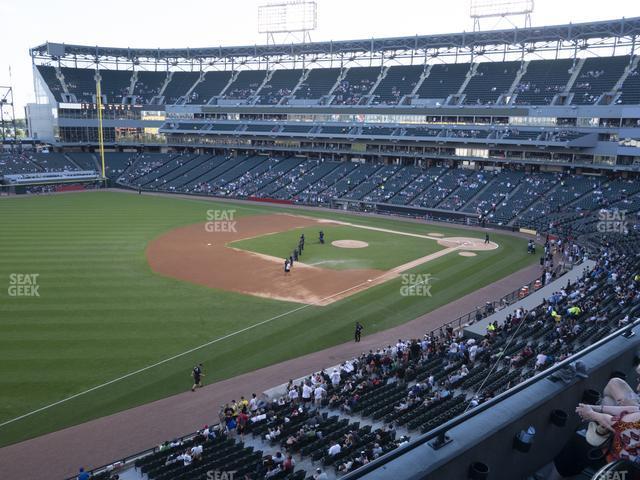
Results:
100 134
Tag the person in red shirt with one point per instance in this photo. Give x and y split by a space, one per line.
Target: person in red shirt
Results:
288 464
242 420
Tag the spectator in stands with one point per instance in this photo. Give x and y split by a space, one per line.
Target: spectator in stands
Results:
319 394
334 449
272 434
83 475
307 391
289 464
196 452
242 420
253 404
320 475
278 459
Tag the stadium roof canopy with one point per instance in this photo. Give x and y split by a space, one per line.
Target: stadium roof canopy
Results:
577 35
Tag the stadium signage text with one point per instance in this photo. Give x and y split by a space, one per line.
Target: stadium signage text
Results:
24 285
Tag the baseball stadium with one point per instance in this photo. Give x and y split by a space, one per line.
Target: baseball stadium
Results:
409 257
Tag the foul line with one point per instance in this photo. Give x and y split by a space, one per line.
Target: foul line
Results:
186 352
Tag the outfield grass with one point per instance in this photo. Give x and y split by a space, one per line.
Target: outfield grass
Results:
102 313
385 250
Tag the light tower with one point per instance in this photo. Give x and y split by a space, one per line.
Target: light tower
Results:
505 9
7 114
285 22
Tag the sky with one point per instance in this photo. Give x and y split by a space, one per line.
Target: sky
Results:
205 23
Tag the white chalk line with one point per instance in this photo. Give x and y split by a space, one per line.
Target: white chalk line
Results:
399 232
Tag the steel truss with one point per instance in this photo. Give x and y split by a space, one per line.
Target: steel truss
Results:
617 37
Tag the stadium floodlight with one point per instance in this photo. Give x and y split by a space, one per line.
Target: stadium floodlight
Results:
7 114
500 8
297 16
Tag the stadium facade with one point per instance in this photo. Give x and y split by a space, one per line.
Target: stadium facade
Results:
553 97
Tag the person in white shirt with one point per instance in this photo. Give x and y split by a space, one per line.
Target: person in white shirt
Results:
335 377
253 403
319 393
334 449
473 351
185 458
307 391
541 359
196 451
293 394
347 367
273 433
377 450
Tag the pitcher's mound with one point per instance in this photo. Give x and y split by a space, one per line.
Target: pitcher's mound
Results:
467 254
349 244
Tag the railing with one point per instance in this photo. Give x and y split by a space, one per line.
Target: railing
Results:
439 434
494 306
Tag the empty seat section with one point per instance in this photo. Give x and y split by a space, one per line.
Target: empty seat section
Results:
398 82
491 80
318 83
148 86
115 84
211 86
443 80
542 81
179 85
280 85
81 82
598 76
357 83
50 78
630 91
245 85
